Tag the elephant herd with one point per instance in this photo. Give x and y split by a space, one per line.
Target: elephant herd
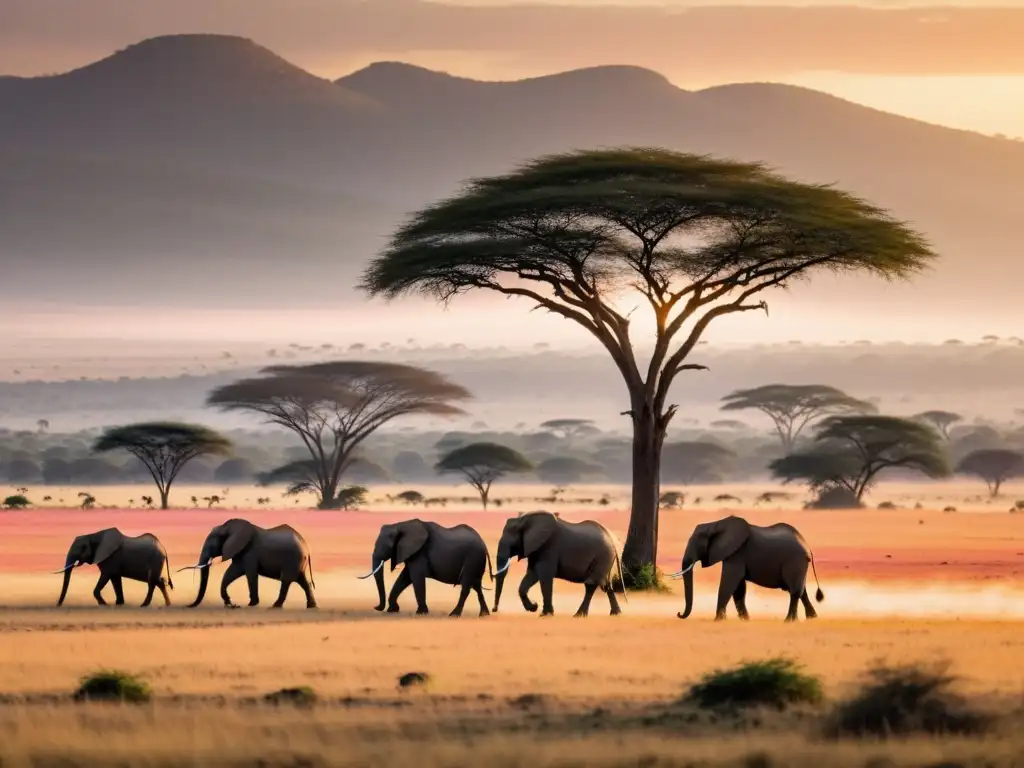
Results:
774 556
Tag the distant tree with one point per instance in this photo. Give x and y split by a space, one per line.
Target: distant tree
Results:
88 501
791 407
483 463
364 471
728 424
410 465
234 471
163 448
698 461
334 407
351 497
212 501
565 470
17 501
697 237
672 500
850 451
941 420
43 425
570 429
995 466
411 497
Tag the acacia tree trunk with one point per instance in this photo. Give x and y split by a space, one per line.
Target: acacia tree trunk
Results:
641 546
164 496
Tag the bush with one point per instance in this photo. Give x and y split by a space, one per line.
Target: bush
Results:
648 578
775 682
18 501
836 497
113 685
905 700
303 696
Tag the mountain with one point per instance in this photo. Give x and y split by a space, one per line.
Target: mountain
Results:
206 170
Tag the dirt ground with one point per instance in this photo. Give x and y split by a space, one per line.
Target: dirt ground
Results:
507 690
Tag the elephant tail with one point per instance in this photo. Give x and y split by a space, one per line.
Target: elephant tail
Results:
490 570
819 595
167 563
622 581
309 562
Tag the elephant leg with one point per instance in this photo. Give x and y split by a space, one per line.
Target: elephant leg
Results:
306 587
98 589
118 590
588 594
286 584
732 575
739 597
546 575
162 585
234 572
524 590
419 589
479 589
463 594
149 595
252 577
613 601
794 601
403 581
809 611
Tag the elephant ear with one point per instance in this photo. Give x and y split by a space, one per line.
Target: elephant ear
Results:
110 541
537 531
412 535
727 536
240 535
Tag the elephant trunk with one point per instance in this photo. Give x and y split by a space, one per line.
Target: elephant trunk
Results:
204 580
378 578
687 594
499 582
68 566
504 562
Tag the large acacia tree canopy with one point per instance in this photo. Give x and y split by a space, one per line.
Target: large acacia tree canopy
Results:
697 236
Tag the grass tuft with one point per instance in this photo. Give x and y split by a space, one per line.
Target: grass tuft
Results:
648 578
113 685
775 682
907 700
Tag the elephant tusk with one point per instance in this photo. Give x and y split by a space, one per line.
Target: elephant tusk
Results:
508 564
683 572
195 567
66 568
373 572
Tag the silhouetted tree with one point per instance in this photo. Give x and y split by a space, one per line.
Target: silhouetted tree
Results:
235 470
791 407
698 237
483 463
163 448
562 470
333 408
850 451
994 465
941 420
570 429
411 497
697 461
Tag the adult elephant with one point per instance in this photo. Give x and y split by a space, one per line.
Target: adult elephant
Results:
456 555
584 553
274 553
140 558
772 556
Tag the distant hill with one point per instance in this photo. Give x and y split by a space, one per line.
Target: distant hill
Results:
206 170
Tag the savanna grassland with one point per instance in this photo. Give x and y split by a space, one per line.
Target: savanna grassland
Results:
902 586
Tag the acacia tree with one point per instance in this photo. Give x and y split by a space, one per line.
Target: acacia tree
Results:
695 461
993 465
483 463
941 420
850 451
570 429
791 407
333 407
164 448
697 238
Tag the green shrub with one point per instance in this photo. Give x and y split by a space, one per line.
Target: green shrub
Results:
302 696
906 700
648 578
775 682
113 685
18 501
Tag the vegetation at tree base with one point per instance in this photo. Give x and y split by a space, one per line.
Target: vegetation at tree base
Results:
993 465
850 451
775 682
941 420
791 407
483 463
164 448
568 232
333 408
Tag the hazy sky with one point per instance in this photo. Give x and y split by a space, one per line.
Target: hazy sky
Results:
960 65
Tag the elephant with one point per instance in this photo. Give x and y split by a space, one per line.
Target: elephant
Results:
141 558
275 553
456 555
583 553
773 556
